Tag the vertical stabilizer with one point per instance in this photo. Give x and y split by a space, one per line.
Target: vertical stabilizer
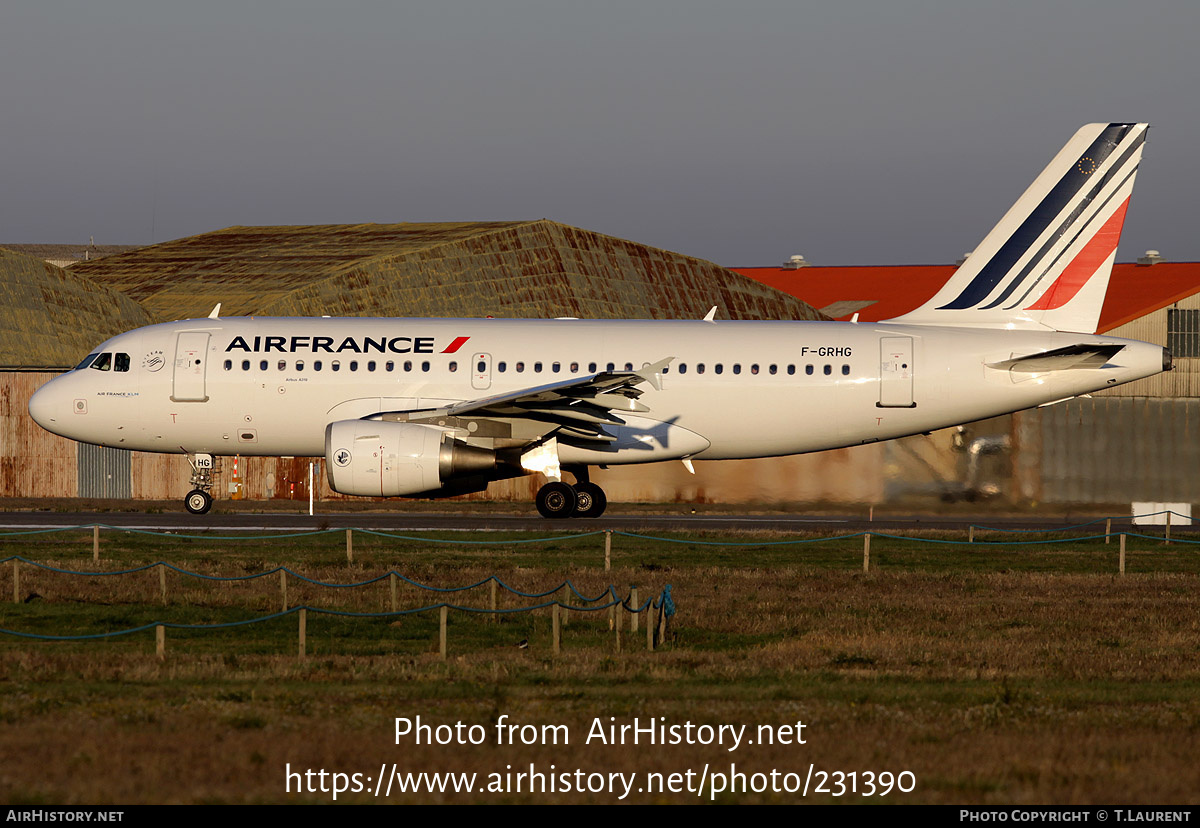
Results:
1048 262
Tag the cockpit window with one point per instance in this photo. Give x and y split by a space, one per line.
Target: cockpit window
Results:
121 362
87 360
103 363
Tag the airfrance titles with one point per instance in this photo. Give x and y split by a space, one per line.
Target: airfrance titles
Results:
332 345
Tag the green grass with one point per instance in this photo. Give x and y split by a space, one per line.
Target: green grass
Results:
998 674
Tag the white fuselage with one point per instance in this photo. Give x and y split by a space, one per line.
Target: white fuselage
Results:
270 386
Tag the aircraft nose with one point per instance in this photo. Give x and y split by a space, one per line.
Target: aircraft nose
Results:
44 407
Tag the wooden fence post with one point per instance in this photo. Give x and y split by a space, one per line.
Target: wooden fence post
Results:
971 533
392 582
492 603
303 631
1107 529
1121 567
350 546
442 632
160 641
617 623
556 630
633 613
96 542
607 550
283 588
16 582
650 627
867 552
1168 535
162 582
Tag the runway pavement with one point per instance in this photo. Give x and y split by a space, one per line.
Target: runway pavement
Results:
467 521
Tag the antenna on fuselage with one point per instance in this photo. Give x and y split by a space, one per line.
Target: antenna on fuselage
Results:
216 312
711 316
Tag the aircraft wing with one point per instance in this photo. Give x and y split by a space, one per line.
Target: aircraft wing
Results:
1060 359
579 407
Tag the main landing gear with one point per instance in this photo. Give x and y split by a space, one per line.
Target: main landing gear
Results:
559 500
199 500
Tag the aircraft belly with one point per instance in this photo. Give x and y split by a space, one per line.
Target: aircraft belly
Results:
639 440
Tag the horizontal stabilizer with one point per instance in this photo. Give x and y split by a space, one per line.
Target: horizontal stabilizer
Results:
1060 359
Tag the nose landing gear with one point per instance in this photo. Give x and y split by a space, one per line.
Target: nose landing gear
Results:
199 500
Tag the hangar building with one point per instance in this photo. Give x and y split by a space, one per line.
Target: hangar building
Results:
504 269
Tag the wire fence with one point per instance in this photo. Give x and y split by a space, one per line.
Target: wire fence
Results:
657 609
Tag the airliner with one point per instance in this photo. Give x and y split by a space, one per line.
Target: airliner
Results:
437 407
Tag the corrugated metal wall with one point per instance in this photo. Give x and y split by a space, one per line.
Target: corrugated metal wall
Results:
1183 381
104 472
1110 450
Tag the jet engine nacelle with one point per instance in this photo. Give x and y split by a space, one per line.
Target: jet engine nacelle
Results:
371 458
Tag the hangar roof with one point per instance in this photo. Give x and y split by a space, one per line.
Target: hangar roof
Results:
511 269
51 318
877 293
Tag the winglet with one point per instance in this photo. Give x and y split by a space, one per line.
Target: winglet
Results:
711 316
653 373
216 312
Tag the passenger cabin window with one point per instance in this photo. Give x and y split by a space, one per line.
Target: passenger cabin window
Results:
389 366
299 365
262 365
828 370
737 367
699 367
424 366
335 366
537 367
808 369
229 365
718 368
683 367
791 370
103 363
555 367
371 365
316 365
501 366
845 370
520 366
610 367
591 367
245 365
574 367
282 365
353 365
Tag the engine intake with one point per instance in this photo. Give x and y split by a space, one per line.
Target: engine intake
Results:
371 458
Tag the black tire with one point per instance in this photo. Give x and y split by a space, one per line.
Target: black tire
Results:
556 501
198 502
590 501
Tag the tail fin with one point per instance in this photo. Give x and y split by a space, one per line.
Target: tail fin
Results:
1048 261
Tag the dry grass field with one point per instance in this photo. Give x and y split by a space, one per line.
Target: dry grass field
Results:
993 674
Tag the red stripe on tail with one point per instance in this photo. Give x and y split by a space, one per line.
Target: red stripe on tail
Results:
1085 264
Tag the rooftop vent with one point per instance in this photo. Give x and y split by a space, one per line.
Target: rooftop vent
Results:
1152 257
795 263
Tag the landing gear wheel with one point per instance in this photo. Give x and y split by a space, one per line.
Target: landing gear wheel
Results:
590 501
556 500
198 502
